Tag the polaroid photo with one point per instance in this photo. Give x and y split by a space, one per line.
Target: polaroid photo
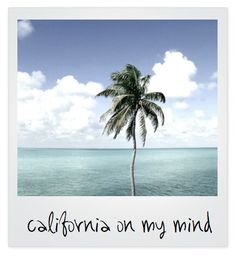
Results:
118 127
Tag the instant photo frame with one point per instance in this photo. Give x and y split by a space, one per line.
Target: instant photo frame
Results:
119 221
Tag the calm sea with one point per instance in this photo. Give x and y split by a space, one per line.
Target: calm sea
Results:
105 172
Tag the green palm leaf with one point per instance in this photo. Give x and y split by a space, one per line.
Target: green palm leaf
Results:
144 82
155 108
121 100
149 113
117 121
143 130
155 96
104 116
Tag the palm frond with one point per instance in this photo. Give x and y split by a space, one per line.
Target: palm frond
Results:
117 121
149 113
130 67
122 121
112 91
136 74
144 82
156 108
155 96
104 116
121 100
129 77
142 123
130 128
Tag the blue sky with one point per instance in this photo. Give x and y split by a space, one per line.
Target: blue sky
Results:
83 54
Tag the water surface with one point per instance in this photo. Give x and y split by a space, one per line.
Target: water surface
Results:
105 172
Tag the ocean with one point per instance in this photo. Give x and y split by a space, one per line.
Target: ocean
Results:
106 172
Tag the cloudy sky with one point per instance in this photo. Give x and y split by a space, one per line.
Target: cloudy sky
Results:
62 65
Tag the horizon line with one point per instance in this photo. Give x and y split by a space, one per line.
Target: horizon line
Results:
210 147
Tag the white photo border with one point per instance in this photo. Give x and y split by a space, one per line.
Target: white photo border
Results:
111 209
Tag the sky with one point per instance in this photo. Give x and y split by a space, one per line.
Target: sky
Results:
63 64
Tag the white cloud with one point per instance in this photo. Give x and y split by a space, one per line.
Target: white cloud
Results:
63 111
181 105
192 131
24 28
173 77
199 113
90 137
168 113
210 85
30 81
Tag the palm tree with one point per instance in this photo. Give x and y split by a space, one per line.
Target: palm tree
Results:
130 99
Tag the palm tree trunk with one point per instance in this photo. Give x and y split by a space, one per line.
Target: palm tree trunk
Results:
133 158
132 168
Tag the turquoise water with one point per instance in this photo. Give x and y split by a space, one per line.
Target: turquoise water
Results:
105 172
